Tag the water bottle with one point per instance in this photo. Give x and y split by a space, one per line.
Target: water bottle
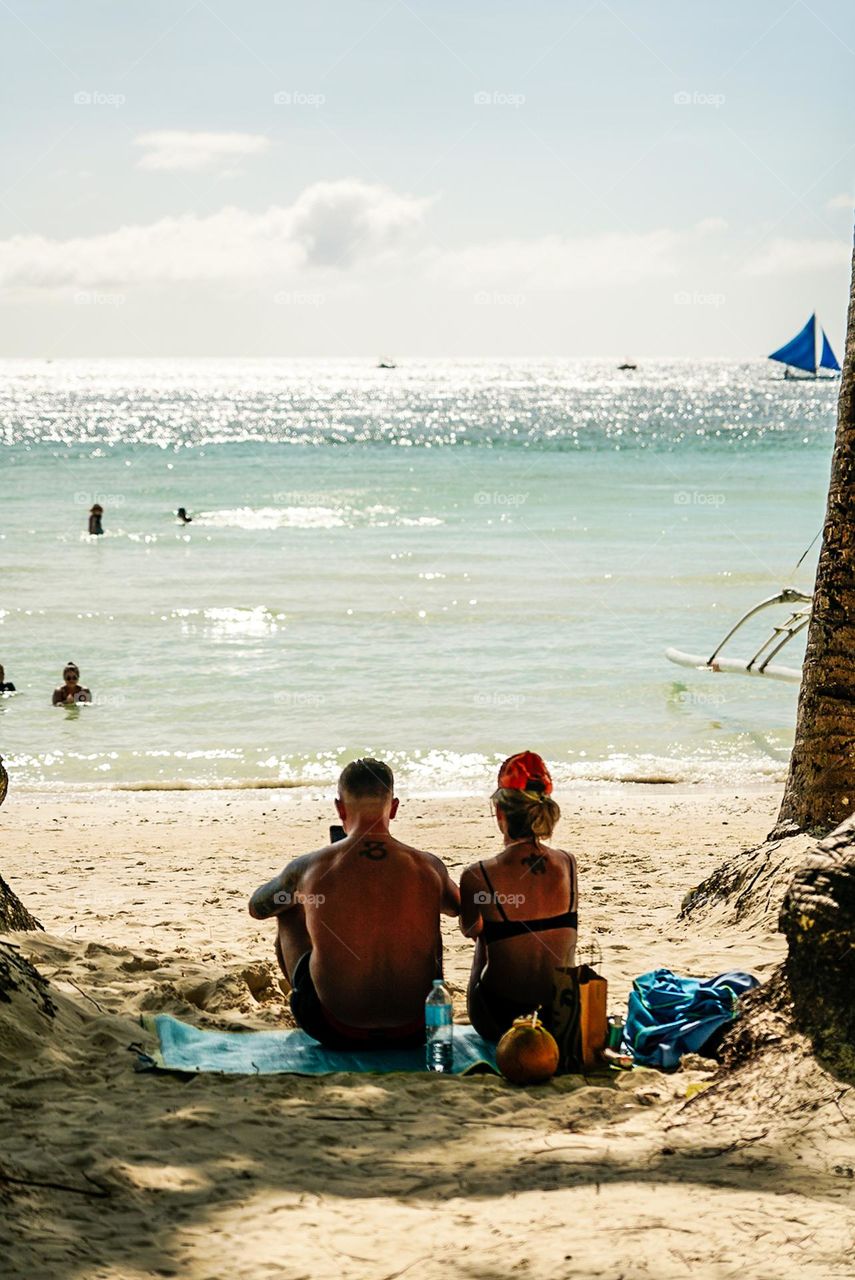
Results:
439 1025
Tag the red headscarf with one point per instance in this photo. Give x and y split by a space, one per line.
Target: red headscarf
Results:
526 771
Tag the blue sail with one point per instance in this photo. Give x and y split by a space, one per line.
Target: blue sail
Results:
801 352
828 360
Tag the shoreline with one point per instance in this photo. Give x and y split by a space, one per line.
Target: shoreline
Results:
584 786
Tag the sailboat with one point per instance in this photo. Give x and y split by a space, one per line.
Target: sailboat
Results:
799 354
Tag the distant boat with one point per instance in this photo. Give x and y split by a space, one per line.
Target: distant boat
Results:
627 364
385 363
799 355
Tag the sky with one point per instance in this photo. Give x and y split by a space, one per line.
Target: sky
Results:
464 178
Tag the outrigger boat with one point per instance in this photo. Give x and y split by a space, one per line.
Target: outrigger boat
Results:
762 663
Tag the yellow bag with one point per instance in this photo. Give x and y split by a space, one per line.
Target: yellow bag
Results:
578 1018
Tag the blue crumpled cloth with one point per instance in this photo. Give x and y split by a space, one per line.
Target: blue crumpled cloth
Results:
669 1016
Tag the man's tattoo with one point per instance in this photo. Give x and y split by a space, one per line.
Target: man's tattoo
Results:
537 862
373 849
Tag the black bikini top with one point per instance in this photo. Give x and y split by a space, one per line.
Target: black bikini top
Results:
496 930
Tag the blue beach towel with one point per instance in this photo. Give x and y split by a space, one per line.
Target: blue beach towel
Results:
183 1047
669 1016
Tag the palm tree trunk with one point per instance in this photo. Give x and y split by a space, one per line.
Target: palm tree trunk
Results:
13 914
818 914
820 791
818 918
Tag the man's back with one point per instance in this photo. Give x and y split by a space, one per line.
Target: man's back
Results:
372 908
358 921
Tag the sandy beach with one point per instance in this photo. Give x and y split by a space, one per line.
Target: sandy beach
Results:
143 899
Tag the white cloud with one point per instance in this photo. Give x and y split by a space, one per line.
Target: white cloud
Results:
845 200
343 226
194 152
336 223
331 224
783 256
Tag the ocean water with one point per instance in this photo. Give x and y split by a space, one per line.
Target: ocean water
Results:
438 564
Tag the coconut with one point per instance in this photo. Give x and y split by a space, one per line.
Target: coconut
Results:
527 1053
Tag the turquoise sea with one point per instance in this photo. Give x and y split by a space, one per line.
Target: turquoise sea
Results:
439 564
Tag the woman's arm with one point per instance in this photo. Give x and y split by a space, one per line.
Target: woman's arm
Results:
471 891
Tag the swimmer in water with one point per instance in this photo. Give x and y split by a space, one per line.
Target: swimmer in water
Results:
182 516
71 690
5 685
95 515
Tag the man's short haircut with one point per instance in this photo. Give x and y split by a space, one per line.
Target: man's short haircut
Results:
366 779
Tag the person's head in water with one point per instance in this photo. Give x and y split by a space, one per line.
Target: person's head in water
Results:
366 794
71 690
523 801
182 515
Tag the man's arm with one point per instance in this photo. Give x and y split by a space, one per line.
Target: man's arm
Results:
279 894
450 905
471 921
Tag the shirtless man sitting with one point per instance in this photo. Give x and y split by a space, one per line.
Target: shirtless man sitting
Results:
358 923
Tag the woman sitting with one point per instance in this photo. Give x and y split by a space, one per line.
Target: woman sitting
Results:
521 905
